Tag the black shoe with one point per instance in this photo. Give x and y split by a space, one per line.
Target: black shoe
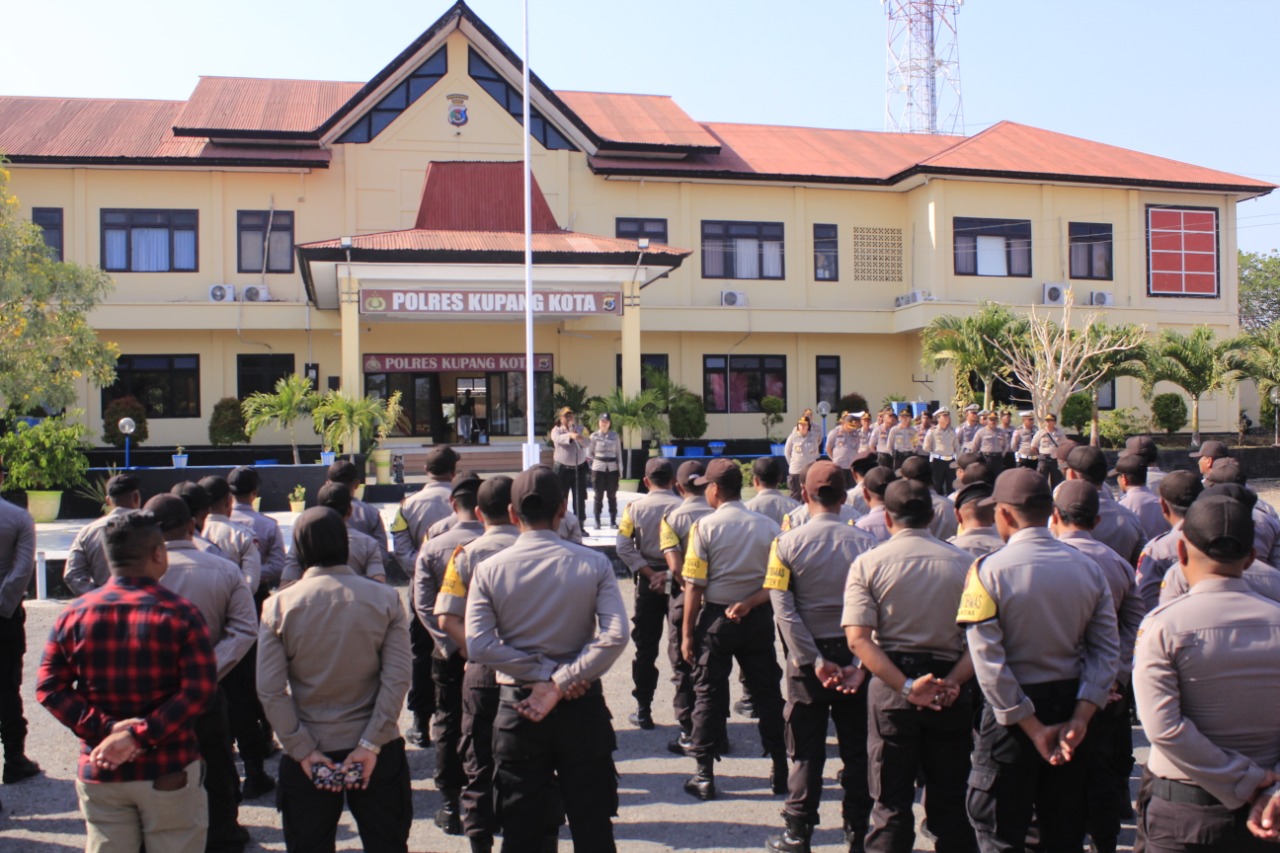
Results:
778 777
256 784
794 839
701 785
17 769
481 844
419 734
855 836
743 708
448 820
642 718
681 745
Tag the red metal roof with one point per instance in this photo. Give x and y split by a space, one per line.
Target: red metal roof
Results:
559 242
467 196
242 104
642 119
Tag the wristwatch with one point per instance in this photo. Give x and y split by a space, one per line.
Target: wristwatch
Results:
907 685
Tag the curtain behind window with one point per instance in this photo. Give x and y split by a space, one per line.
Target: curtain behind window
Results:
772 259
746 257
116 250
151 249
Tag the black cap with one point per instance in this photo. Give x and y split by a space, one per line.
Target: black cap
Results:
1129 464
877 480
343 471
1088 461
976 491
1143 446
171 512
1226 470
908 497
965 459
1077 498
1063 450
916 468
1020 487
468 482
243 480
976 472
194 495
536 492
658 465
689 471
1179 489
722 472
1212 449
824 482
121 485
1219 527
216 487
442 460
494 496
1235 491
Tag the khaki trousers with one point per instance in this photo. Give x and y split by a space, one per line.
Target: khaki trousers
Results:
121 816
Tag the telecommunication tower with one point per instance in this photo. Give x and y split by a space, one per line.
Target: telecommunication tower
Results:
923 52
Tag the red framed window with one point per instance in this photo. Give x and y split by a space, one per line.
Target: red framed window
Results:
1182 251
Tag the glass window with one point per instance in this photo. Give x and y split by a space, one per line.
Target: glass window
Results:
829 380
1182 251
259 372
992 247
1090 249
398 99
826 253
167 385
742 250
149 240
50 221
737 383
657 361
271 230
510 99
630 228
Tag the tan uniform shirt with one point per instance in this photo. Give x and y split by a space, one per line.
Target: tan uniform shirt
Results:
1022 444
800 514
944 524
368 521
17 556
1038 611
728 553
604 451
772 503
966 431
1046 441
843 444
808 567
571 528
677 523
906 589
452 598
988 440
364 557
858 500
333 662
1143 503
800 450
1262 579
87 560
1120 530
1207 682
217 589
874 523
267 531
546 609
639 540
416 515
940 443
567 449
979 542
902 439
428 577
205 545
1124 592
238 544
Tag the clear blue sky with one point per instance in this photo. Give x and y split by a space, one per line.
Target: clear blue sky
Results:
1188 79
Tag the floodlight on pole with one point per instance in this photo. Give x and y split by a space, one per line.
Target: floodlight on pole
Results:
126 427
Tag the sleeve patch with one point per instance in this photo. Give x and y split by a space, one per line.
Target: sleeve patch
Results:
786 522
399 525
626 527
452 583
778 576
976 604
695 568
667 536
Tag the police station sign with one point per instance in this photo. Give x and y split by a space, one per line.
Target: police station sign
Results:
457 302
429 362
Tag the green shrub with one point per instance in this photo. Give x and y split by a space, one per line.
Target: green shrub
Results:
1077 412
853 402
1115 427
226 424
1169 412
124 407
688 417
773 407
46 457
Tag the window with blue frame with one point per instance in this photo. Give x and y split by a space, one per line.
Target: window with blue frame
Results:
398 99
509 98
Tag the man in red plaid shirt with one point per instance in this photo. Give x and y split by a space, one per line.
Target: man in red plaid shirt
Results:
128 668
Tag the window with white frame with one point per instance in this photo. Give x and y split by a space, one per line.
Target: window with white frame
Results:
1182 251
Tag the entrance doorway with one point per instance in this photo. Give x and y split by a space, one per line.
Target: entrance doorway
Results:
498 397
420 399
471 408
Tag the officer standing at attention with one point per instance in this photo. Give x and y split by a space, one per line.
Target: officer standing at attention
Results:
724 573
884 450
765 476
991 442
675 541
1207 681
1117 527
1021 441
800 451
479 687
1046 443
944 524
639 545
843 443
873 487
364 517
548 616
244 484
967 430
87 560
17 564
799 515
977 521
364 553
897 617
1178 490
866 428
447 661
1006 427
863 463
1041 630
1144 447
1261 577
940 445
604 451
569 456
198 504
1131 474
1209 452
902 439
234 541
806 578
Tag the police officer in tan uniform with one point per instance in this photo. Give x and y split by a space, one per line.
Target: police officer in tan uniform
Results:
970 426
863 463
1041 629
902 438
1178 491
1131 475
1117 527
807 571
843 443
1046 443
941 445
991 442
1207 681
1021 441
86 568
639 546
897 617
766 474
364 553
978 533
944 524
874 485
724 573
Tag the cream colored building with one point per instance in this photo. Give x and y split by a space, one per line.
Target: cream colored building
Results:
782 260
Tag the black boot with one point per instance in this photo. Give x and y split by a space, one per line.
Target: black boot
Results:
448 818
703 783
681 745
794 839
256 780
550 844
419 734
855 833
481 844
778 775
18 767
642 718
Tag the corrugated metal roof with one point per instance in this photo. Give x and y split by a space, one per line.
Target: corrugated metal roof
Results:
560 242
469 196
643 119
239 104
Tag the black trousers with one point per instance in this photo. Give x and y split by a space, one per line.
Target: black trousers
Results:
885 460
944 476
646 631
605 485
383 811
1029 463
573 482
421 700
221 784
446 724
13 645
900 456
995 462
1049 469
681 672
479 708
1165 826
1110 763
248 721
718 641
906 743
1010 781
808 709
568 754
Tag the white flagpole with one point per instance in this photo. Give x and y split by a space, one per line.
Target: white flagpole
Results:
532 453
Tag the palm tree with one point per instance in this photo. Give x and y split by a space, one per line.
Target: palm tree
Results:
351 421
1112 364
570 395
1264 360
293 399
964 344
640 412
1198 363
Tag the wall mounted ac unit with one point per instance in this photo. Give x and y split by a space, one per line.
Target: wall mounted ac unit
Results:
917 296
901 301
1055 293
1102 297
222 293
733 298
255 293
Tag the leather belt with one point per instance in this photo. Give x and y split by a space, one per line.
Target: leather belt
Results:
512 693
1174 791
942 458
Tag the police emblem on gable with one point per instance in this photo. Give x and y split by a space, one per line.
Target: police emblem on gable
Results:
457 110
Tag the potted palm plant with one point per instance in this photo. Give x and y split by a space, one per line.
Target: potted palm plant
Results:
45 460
292 400
631 416
298 498
354 421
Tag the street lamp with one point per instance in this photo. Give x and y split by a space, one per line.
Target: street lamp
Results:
1275 408
824 409
126 427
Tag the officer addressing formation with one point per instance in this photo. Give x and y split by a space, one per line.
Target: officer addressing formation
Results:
969 607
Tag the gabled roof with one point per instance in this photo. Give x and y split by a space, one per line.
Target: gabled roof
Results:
225 107
648 120
468 196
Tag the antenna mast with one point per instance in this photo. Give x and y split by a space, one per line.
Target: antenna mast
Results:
923 67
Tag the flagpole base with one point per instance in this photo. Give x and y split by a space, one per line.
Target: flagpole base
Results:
532 454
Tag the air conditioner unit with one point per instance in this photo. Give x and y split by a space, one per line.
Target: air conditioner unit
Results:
222 293
899 301
733 298
1055 293
917 296
255 293
1102 297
